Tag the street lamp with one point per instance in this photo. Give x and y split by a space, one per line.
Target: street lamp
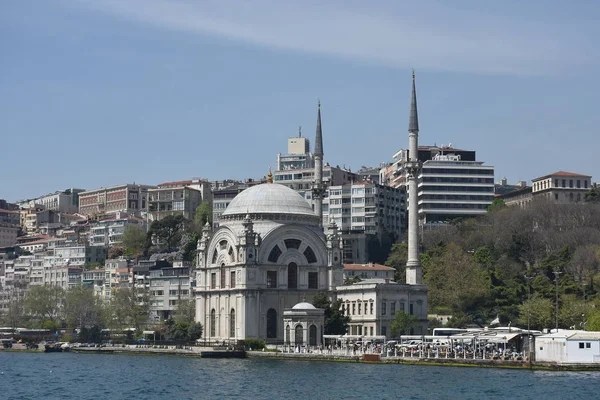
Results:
556 275
528 280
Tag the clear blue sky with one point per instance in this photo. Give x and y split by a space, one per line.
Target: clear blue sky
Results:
98 93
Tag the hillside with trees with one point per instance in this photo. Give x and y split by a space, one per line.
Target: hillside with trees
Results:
514 263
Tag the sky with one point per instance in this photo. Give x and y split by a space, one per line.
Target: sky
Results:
100 93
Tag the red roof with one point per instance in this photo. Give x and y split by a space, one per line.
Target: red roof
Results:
562 173
367 267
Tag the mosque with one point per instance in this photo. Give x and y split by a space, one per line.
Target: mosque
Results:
258 271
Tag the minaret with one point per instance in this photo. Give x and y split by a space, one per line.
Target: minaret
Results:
414 273
318 187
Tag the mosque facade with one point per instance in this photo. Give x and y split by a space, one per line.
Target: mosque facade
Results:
271 253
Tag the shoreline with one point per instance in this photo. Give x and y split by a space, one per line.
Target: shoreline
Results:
369 359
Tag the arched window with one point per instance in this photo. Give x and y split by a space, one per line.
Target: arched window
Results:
292 276
312 335
232 323
271 323
287 334
213 323
223 276
299 337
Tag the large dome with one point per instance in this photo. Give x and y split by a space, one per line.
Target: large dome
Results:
269 198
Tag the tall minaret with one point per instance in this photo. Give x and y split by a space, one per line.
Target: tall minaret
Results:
414 273
318 187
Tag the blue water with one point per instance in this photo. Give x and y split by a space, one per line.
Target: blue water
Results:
95 376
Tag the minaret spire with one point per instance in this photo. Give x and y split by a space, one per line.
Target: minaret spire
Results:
318 187
319 136
414 273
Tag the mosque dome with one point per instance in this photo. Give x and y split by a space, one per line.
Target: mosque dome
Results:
269 198
304 306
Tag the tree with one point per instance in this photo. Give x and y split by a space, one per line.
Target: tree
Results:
397 260
202 215
540 311
195 330
185 311
402 323
336 323
14 314
134 241
45 303
167 232
127 309
82 308
497 205
115 252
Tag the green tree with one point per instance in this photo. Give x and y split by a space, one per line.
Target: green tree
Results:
202 215
402 323
45 303
540 311
127 309
593 195
167 232
82 308
336 323
497 205
134 241
14 314
195 331
397 260
185 311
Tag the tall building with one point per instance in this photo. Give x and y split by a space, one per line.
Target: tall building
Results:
173 198
451 183
298 155
128 198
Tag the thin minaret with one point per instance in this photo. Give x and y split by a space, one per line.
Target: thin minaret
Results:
414 274
318 188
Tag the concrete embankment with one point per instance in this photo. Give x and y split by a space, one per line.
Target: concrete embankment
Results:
450 362
193 351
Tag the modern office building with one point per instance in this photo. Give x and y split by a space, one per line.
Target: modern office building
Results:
451 183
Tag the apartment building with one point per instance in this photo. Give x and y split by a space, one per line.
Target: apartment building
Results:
168 287
174 198
127 198
63 201
561 187
109 232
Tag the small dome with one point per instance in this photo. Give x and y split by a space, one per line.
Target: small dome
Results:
269 198
304 306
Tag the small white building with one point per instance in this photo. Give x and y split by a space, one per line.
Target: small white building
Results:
304 325
566 346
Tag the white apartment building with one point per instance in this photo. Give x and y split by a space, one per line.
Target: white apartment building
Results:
168 287
63 201
368 271
62 276
561 187
77 256
109 232
302 180
173 198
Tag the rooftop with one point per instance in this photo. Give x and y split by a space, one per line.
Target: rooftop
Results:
367 267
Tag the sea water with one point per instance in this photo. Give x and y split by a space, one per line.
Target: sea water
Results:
112 376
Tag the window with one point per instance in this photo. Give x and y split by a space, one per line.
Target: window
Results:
232 279
313 280
411 308
588 345
581 345
172 292
312 335
271 279
213 280
274 254
353 308
371 308
292 243
371 329
359 307
222 277
292 276
271 323
213 322
232 323
310 255
287 334
393 308
299 334
383 331
383 308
